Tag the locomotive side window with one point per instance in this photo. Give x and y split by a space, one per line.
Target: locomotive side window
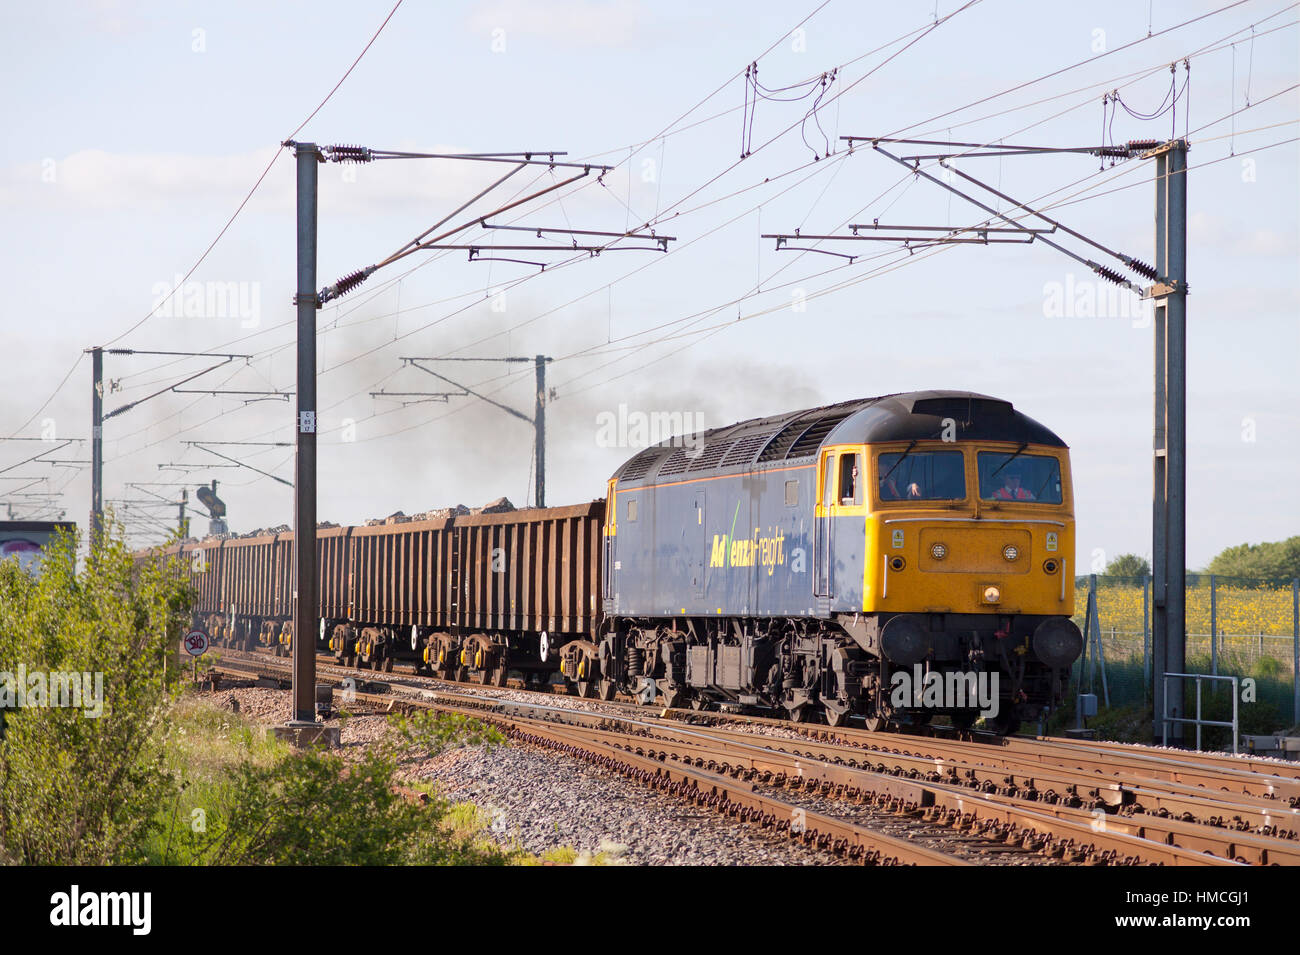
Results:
921 476
1012 476
791 493
828 492
850 479
631 510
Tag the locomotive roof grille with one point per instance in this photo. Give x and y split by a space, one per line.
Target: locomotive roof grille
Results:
676 462
778 446
742 452
641 464
711 456
799 435
811 439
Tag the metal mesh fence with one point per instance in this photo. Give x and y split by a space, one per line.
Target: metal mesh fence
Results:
1254 623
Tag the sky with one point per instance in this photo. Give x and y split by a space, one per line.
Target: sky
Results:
136 130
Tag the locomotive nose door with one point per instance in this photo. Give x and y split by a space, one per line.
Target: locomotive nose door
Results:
822 550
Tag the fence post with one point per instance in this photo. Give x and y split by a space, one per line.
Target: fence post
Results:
1214 629
1146 633
1093 613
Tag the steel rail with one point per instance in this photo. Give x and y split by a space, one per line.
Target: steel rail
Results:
714 790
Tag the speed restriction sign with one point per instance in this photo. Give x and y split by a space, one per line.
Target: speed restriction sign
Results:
195 643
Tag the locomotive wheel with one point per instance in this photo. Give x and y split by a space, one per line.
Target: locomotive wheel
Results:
587 689
607 690
459 673
388 664
499 676
835 717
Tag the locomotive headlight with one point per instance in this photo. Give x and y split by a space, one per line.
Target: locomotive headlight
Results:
992 595
1010 552
938 551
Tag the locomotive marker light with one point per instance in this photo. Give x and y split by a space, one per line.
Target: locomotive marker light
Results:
1011 552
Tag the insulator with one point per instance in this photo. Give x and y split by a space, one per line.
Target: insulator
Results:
1141 268
344 285
1111 275
350 153
1141 145
349 282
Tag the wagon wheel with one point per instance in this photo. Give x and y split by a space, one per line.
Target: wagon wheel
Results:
876 724
674 697
921 719
797 714
1005 724
279 650
588 689
607 690
499 675
963 721
388 664
459 673
698 702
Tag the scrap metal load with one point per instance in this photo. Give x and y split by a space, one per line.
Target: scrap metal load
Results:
464 594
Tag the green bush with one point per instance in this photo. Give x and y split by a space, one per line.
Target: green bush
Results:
245 800
81 785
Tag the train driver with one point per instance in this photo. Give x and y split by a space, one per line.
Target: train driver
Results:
1011 489
889 490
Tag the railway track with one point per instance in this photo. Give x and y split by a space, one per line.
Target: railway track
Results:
1022 796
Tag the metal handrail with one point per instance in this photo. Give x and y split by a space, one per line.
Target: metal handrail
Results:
1166 719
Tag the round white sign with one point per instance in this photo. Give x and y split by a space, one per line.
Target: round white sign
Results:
195 643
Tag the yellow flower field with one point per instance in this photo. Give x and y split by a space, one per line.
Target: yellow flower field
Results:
1253 622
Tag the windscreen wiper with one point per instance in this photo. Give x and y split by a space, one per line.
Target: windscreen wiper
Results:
898 462
1019 451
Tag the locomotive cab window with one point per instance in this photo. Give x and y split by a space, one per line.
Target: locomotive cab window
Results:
828 490
850 479
1013 476
921 476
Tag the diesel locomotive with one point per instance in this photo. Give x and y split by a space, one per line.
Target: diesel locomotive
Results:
891 558
881 557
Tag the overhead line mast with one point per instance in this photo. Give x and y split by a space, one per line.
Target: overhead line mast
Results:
1168 288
